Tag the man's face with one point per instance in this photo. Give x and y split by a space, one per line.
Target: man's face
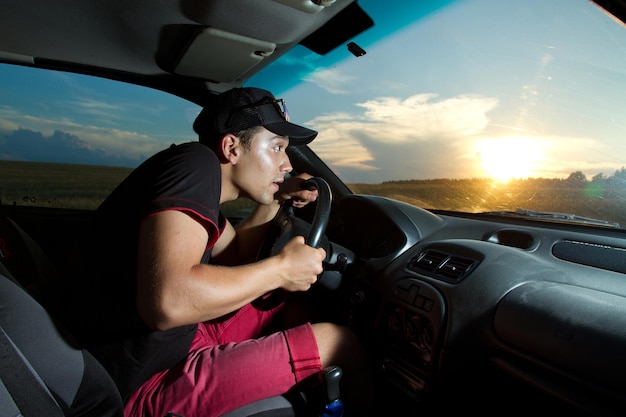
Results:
263 166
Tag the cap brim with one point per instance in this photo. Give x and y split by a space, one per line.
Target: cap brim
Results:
298 135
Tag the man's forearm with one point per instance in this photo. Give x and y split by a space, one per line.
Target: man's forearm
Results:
252 230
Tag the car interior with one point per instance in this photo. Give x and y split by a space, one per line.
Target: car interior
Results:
489 312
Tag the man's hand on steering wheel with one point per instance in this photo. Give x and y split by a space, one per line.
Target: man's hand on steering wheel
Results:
291 190
302 264
299 188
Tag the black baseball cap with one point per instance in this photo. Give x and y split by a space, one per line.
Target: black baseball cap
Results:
242 108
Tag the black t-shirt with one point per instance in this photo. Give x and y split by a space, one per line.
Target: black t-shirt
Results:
185 177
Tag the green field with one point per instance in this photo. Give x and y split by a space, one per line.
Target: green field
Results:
57 185
84 187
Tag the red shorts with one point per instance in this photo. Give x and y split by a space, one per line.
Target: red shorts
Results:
230 364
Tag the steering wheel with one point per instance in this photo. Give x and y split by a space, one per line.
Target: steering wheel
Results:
313 239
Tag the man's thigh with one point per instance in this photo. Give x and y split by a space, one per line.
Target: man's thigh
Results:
215 379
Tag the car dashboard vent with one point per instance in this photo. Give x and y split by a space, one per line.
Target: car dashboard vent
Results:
442 265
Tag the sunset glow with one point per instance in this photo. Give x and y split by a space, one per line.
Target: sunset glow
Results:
506 158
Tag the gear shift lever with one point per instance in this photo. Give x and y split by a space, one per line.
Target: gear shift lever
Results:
330 379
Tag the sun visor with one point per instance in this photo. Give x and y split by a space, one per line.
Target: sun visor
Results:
344 26
202 59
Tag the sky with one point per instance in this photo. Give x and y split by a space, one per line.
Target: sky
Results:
479 88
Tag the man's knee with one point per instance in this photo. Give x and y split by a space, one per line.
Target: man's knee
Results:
338 345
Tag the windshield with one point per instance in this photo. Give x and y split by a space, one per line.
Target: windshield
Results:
475 105
507 107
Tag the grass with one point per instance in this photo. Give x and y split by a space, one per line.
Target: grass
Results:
604 200
57 185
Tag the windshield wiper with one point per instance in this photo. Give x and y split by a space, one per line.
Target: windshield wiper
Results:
555 216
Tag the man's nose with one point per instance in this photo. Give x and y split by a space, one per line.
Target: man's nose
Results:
286 166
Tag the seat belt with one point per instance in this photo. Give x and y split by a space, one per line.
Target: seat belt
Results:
26 388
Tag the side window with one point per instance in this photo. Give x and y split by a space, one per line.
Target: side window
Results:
66 140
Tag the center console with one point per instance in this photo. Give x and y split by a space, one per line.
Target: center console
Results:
411 330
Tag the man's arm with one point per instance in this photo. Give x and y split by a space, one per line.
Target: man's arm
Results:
241 244
174 288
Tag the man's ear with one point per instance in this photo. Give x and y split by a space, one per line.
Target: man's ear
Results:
229 148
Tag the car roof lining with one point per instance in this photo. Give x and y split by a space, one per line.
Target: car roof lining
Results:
157 33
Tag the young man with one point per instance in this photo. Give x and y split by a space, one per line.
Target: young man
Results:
177 331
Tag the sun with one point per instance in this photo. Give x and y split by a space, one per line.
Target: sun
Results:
507 158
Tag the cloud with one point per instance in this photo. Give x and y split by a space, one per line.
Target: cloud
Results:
567 154
332 80
7 126
401 138
114 114
423 116
114 141
102 110
339 142
28 145
116 144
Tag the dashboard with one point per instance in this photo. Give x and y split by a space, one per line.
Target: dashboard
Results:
465 312
444 300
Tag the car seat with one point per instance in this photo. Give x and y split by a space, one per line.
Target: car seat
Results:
27 263
44 372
